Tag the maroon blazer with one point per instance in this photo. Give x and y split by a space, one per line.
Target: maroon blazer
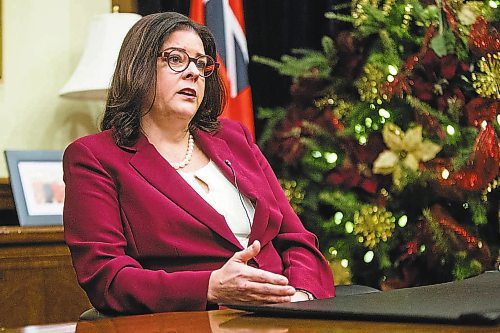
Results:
142 240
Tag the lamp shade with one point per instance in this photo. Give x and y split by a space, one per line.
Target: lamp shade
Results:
92 77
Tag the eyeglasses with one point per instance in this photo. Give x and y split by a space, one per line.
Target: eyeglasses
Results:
178 60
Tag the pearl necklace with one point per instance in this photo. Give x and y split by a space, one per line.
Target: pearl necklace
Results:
187 157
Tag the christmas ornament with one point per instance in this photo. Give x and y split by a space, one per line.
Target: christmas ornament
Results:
487 82
294 193
342 274
374 224
387 6
368 84
358 12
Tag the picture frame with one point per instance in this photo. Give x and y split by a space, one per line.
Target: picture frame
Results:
36 178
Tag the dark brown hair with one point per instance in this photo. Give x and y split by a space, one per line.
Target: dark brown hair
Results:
134 80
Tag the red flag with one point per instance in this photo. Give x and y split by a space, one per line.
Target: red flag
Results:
225 20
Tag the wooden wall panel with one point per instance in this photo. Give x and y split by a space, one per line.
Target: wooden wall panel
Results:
37 281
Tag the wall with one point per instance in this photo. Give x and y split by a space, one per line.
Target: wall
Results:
42 43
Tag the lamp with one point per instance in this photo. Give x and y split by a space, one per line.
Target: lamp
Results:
92 77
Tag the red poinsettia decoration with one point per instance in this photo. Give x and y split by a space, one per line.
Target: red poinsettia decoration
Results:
355 172
287 141
434 81
481 109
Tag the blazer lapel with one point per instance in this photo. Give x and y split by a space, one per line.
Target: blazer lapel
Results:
219 152
161 175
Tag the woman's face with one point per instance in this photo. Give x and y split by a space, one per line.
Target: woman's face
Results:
178 95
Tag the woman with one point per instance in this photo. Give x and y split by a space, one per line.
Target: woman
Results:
161 205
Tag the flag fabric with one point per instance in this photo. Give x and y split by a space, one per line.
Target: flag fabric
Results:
225 20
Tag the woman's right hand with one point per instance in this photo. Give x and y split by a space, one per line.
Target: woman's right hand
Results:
236 282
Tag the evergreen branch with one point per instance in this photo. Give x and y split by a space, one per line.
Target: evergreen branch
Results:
341 6
316 129
339 17
268 62
437 233
391 50
463 151
478 210
272 117
423 108
465 267
348 203
299 67
329 50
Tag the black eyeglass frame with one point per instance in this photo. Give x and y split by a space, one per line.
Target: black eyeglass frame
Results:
165 54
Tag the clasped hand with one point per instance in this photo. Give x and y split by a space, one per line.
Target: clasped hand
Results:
236 282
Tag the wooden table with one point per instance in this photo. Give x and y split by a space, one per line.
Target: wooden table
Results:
225 321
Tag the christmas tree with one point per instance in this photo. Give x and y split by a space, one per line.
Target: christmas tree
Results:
389 150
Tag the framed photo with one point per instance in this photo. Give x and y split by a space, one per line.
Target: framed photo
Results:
36 179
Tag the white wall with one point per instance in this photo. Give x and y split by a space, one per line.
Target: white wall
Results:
42 43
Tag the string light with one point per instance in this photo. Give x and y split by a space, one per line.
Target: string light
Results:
402 221
493 4
445 174
368 257
450 130
393 70
368 122
349 227
384 113
344 263
316 154
337 218
331 157
333 251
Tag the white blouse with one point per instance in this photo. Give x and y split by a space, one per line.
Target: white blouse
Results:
223 196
